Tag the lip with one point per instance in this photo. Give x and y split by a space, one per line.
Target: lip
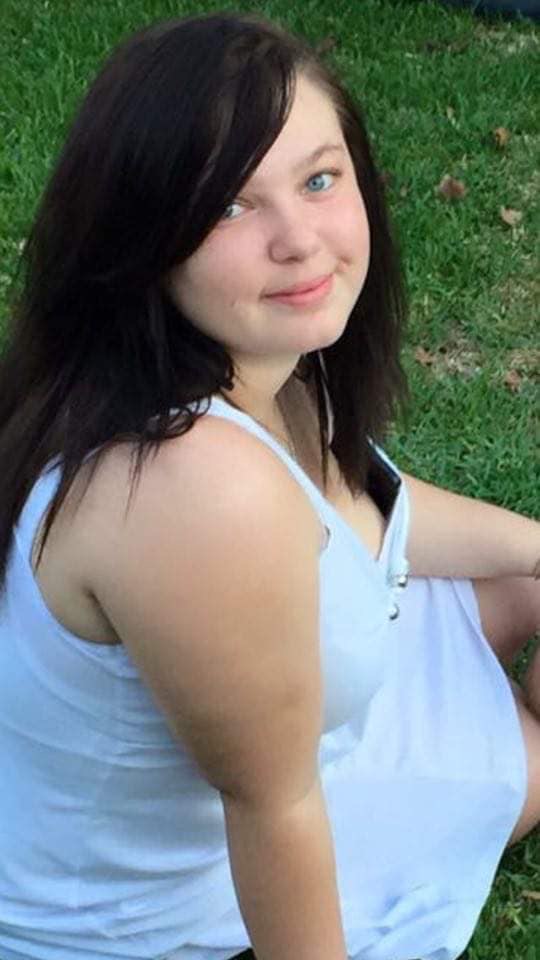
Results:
309 292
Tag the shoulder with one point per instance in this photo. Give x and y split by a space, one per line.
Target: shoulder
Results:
210 580
215 478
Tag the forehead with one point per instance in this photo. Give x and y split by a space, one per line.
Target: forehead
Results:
312 124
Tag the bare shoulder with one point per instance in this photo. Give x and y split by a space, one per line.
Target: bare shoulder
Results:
211 583
216 469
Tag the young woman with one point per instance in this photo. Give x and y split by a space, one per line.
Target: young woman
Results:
228 718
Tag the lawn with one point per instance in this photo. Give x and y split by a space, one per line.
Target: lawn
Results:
445 95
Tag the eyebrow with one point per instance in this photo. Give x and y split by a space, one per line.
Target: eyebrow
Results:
318 153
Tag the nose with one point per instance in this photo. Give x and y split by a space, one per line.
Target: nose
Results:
293 235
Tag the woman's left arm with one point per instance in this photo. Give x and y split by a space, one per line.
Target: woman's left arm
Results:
455 536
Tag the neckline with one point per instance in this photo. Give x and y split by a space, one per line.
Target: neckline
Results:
357 542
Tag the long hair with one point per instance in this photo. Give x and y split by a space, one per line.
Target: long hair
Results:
96 353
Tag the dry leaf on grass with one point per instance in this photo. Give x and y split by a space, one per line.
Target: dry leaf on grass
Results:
531 894
451 189
423 356
501 136
513 380
510 217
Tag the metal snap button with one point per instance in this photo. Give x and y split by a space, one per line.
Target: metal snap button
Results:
393 613
326 538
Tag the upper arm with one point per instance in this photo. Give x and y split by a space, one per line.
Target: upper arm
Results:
211 583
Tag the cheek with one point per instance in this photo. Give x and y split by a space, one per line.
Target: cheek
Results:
359 222
351 226
216 289
223 270
194 286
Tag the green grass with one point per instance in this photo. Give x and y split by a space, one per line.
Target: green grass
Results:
435 82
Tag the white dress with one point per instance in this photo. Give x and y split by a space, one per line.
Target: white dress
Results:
113 846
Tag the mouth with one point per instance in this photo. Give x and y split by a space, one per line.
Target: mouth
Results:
304 293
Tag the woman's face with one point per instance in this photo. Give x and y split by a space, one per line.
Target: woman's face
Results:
298 223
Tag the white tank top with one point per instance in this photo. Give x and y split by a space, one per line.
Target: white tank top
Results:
112 845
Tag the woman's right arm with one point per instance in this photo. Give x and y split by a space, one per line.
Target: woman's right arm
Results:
283 867
211 581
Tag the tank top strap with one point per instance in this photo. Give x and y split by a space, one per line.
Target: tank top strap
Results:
220 408
35 506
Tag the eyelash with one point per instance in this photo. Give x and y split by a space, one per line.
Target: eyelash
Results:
335 173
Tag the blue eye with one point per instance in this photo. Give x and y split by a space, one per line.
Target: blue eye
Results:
320 182
229 214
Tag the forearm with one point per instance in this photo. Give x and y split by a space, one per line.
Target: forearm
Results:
455 536
284 873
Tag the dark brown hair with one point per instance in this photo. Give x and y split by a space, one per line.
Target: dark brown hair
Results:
96 353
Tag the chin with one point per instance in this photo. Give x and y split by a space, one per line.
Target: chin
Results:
317 343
